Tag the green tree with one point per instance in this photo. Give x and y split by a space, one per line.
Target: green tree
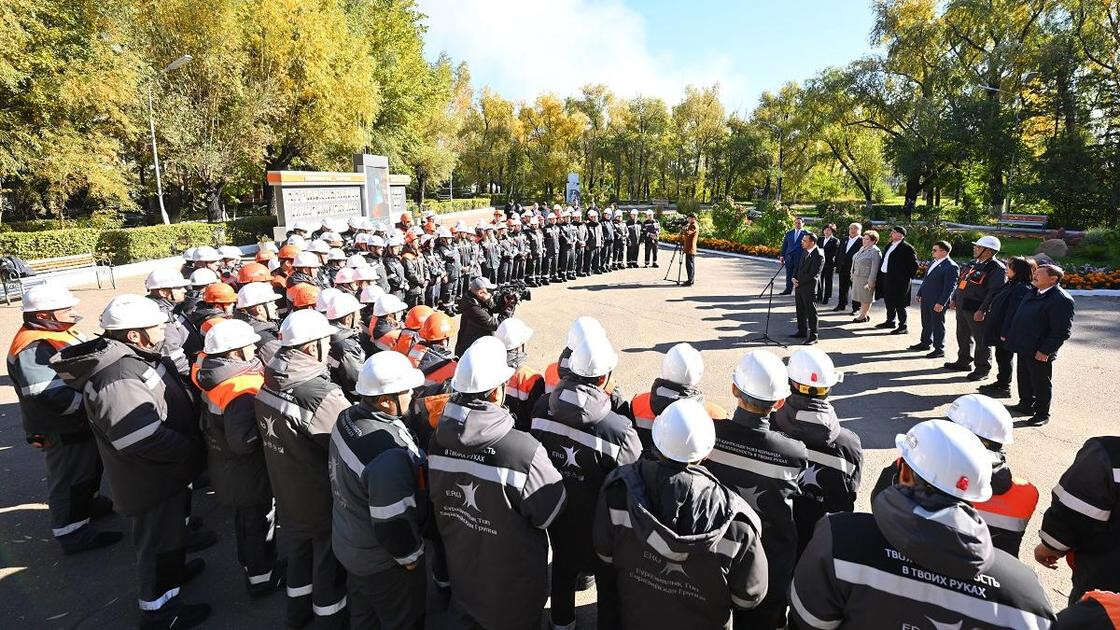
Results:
551 138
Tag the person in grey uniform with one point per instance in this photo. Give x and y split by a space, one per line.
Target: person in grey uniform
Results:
976 285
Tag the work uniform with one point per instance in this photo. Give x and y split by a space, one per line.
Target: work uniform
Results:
976 285
54 420
415 271
1097 610
1084 517
176 337
384 334
835 461
236 463
378 516
558 371
646 406
296 410
146 424
919 558
651 232
586 440
451 259
579 248
567 238
686 549
269 333
494 492
606 255
523 390
395 275
551 252
591 250
633 237
345 360
437 363
764 467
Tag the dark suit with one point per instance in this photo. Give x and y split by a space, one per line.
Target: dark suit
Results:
1042 323
936 288
791 252
830 246
893 286
844 269
808 274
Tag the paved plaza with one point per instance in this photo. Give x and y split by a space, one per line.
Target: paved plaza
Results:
886 391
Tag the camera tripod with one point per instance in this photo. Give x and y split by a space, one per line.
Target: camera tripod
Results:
764 336
677 256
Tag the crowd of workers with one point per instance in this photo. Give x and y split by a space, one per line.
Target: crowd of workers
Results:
325 403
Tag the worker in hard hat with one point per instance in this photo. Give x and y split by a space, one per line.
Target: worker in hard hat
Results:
346 354
437 274
305 269
285 258
526 386
218 300
54 419
167 288
296 410
619 256
608 241
451 259
558 370
552 250
394 266
380 506
230 261
410 333
765 468
415 271
633 237
432 354
923 553
835 453
367 297
976 286
586 440
591 259
651 232
325 296
346 280
682 367
146 425
386 329
336 260
256 306
229 375
206 257
494 492
685 547
302 296
199 280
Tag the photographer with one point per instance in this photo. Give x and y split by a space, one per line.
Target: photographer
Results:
481 314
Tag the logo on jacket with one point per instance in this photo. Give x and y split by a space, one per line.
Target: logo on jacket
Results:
809 476
937 625
269 427
570 456
673 567
751 495
469 498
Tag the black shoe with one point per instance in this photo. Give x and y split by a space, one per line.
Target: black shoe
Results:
1021 409
840 308
901 330
192 568
810 340
919 347
790 292
799 335
187 616
687 283
936 354
100 507
957 366
200 539
89 541
585 582
995 390
654 265
977 375
887 324
274 582
1037 420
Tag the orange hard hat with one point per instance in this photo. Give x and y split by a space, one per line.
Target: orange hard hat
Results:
219 293
416 316
436 327
303 294
253 272
288 251
264 255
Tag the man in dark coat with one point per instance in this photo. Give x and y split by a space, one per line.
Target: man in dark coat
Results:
1038 329
933 300
805 280
791 252
900 263
847 249
830 245
480 315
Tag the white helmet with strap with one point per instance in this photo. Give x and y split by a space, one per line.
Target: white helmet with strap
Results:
304 326
948 457
684 431
683 365
49 297
229 334
482 367
762 376
387 373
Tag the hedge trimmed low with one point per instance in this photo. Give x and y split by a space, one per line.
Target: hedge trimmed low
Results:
249 230
49 243
453 205
157 241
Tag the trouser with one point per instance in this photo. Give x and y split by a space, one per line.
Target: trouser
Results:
431 294
562 261
449 293
564 572
73 479
619 255
971 333
551 257
590 258
1035 385
632 253
492 274
159 536
1004 360
464 285
532 265
606 255
897 313
392 599
414 297
651 250
790 266
316 581
254 528
824 290
690 267
577 261
518 272
845 286
933 326
504 269
806 311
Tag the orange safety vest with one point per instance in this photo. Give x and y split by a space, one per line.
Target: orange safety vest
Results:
643 411
441 374
1011 510
229 389
1109 601
388 341
58 339
407 338
372 324
434 406
551 377
521 384
208 324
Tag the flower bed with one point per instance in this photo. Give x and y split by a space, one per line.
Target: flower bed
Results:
723 245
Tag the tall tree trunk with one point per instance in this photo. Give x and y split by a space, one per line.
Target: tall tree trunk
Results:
213 192
913 188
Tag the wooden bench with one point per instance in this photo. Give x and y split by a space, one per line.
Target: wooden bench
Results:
1037 221
44 267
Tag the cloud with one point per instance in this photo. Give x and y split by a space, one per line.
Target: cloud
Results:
523 48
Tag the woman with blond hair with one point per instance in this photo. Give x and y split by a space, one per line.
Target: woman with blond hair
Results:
865 270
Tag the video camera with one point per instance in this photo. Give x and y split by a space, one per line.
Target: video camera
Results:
510 294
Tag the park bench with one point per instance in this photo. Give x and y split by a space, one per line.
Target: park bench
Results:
44 267
1037 221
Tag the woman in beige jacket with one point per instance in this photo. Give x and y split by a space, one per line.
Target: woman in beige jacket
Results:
865 269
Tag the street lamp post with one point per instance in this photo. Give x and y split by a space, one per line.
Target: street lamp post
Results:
178 63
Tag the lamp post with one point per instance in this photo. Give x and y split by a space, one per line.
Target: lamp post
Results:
178 63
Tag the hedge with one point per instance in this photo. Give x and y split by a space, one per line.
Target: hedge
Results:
249 230
49 243
452 205
157 241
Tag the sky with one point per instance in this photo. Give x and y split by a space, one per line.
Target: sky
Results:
522 48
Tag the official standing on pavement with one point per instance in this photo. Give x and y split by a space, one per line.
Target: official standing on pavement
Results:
146 424
805 279
900 263
790 253
933 300
976 285
689 238
847 250
54 419
830 245
1038 329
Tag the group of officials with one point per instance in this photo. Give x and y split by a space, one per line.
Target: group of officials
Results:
1015 306
401 477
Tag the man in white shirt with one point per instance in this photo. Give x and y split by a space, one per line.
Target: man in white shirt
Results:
848 248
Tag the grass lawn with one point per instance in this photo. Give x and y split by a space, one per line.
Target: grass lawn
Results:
1026 246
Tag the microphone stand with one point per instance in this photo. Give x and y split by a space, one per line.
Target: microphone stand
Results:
764 336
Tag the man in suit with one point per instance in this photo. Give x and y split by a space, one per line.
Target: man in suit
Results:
829 245
791 252
900 263
805 280
933 299
846 250
1038 329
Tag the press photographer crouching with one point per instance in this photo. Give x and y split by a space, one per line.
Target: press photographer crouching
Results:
483 311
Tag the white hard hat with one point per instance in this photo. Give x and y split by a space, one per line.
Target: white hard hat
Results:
387 373
319 246
593 213
683 365
324 299
189 254
205 253
302 226
551 215
229 334
534 221
331 237
297 240
307 259
443 232
376 241
580 328
812 367
346 275
370 294
633 212
366 273
270 246
256 293
984 416
336 254
273 264
762 376
342 305
128 312
990 242
48 297
363 238
948 457
203 277
165 279
356 260
229 252
388 303
396 240
460 227
593 357
482 367
303 326
513 333
354 222
684 431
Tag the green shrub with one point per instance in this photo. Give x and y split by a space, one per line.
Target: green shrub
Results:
729 219
1098 244
157 241
249 230
100 220
49 243
773 222
451 205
